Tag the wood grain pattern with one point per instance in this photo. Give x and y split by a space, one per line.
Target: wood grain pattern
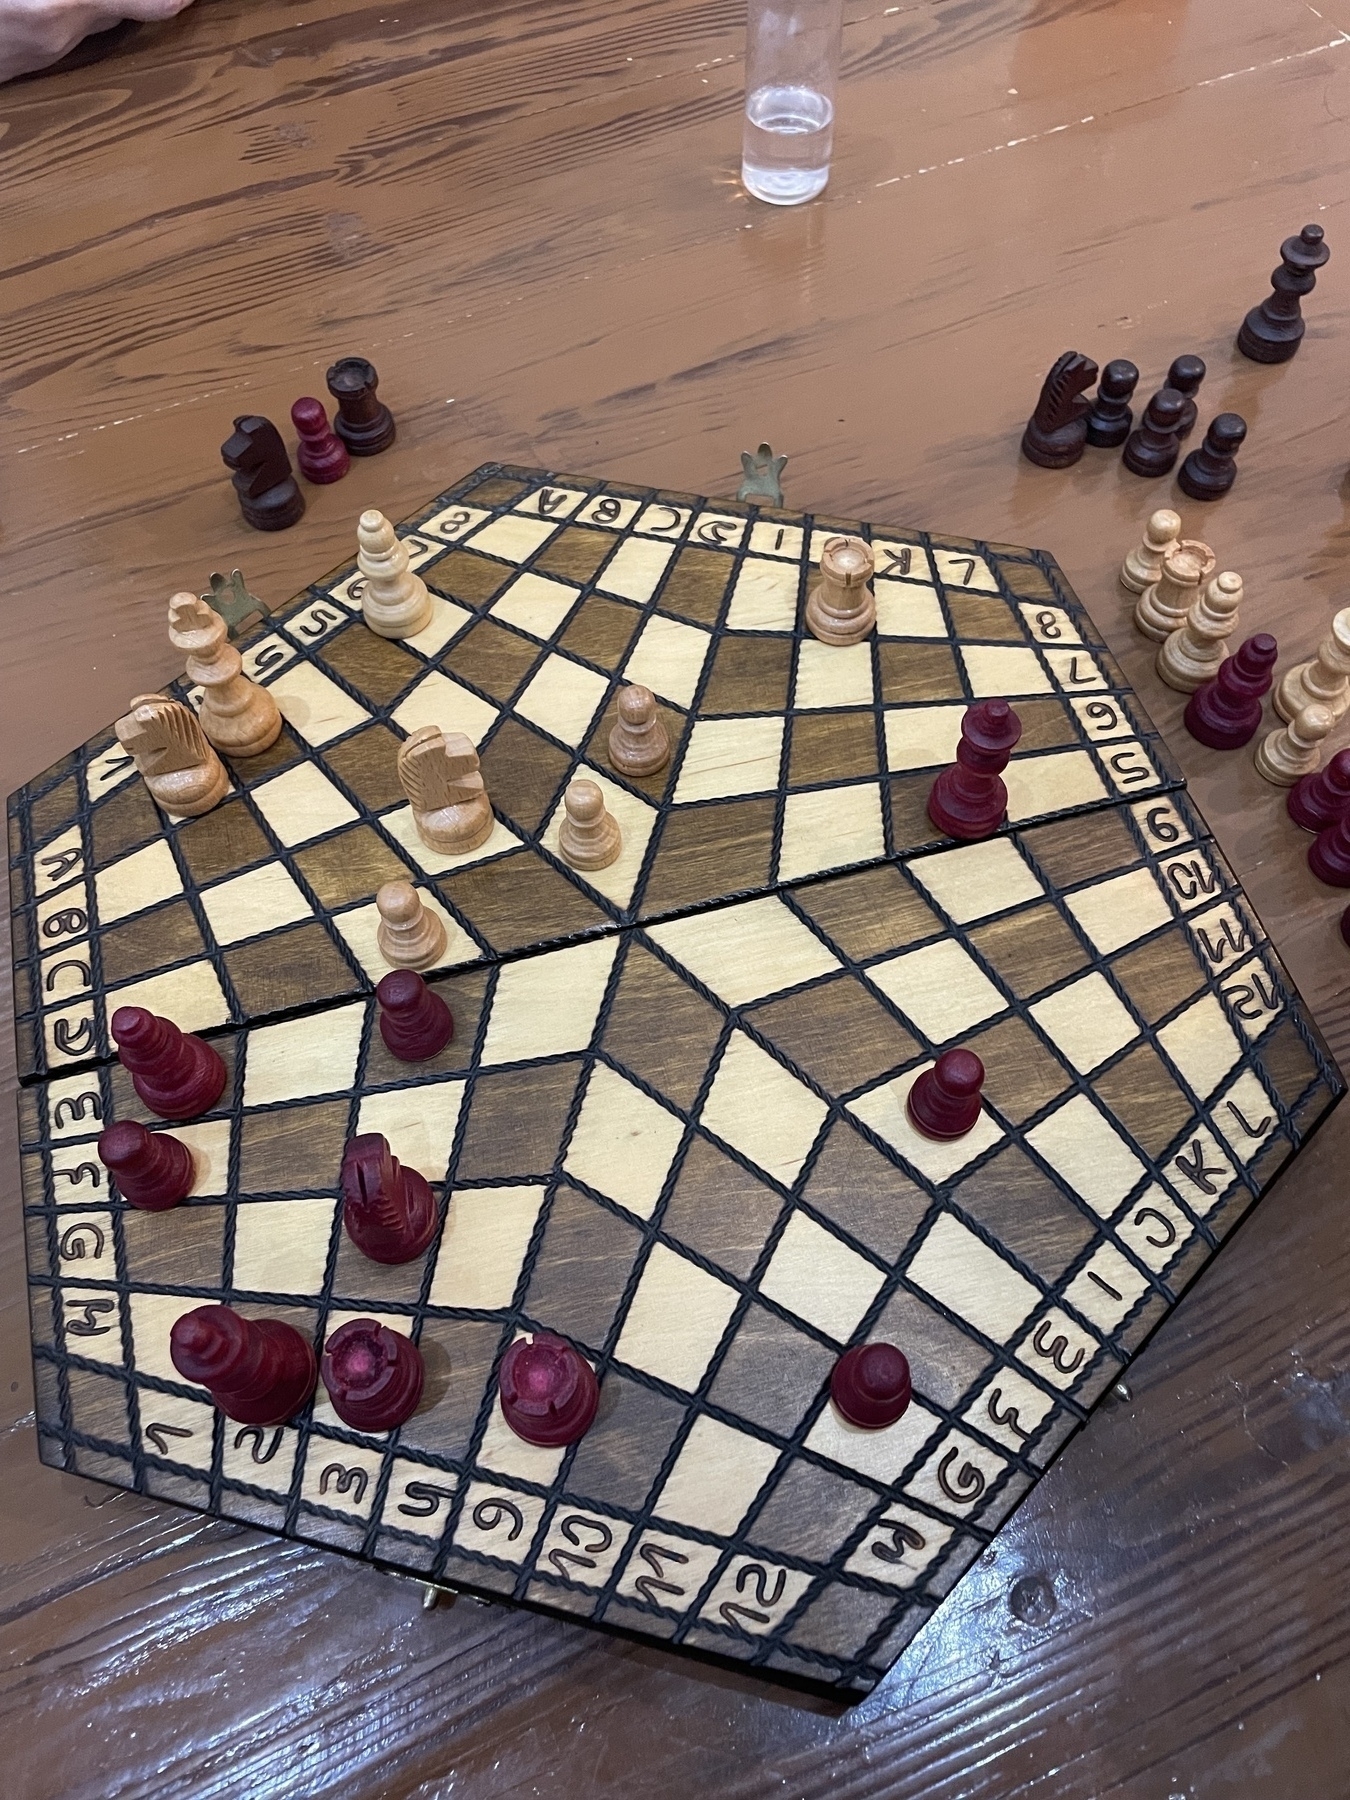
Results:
430 172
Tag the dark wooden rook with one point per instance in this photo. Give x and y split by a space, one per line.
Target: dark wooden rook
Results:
269 494
1057 431
1273 331
364 423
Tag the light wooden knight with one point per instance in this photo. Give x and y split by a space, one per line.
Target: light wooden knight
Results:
1142 567
181 770
842 609
1326 679
394 602
439 772
1292 751
237 715
1161 609
1192 654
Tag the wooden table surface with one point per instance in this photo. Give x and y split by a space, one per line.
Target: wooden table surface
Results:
527 214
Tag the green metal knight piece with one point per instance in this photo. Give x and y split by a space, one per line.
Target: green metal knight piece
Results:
232 600
762 476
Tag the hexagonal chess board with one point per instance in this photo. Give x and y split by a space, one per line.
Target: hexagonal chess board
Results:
671 1123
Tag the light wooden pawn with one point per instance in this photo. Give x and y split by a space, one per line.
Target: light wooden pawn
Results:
638 743
438 771
1142 567
1161 609
1191 656
1326 679
1292 751
841 608
410 936
237 715
589 837
394 601
181 770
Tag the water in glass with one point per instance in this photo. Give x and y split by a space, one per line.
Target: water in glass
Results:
785 153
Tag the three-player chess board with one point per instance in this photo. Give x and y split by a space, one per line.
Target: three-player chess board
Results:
671 1123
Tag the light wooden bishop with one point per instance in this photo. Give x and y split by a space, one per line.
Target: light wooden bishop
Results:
1162 607
410 936
237 715
439 772
1292 751
1326 679
1142 567
842 608
181 770
1191 655
395 602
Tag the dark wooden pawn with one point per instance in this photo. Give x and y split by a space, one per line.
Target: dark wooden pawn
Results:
415 1023
322 456
1226 712
389 1212
968 799
548 1390
373 1375
945 1101
364 423
1108 423
1209 472
1321 798
870 1385
1057 431
269 495
153 1170
1152 448
1273 331
1184 378
258 1371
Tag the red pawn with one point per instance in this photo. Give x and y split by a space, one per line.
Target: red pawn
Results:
969 799
1226 712
549 1391
176 1074
414 1023
870 1385
945 1101
373 1375
154 1171
1329 857
1319 799
389 1211
321 454
259 1371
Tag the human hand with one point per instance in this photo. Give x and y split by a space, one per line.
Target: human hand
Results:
34 33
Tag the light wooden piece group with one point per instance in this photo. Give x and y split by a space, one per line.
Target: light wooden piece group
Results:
410 936
842 609
1162 607
438 771
1143 565
589 837
1292 751
395 602
181 770
237 715
1192 654
638 743
1326 679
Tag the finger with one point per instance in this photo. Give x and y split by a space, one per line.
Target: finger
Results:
149 10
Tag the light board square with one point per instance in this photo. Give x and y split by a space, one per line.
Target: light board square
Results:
635 569
820 1279
142 879
258 901
747 951
831 675
302 803
547 1005
281 1246
1120 911
940 988
758 1108
829 828
978 880
675 1320
1085 1021
513 538
301 1057
562 697
922 737
623 1143
482 1250
318 708
716 1477
730 756
437 700
668 657
764 597
535 603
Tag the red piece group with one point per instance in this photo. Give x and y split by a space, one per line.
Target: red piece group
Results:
414 1022
389 1212
176 1074
548 1389
870 1385
373 1375
969 799
153 1170
259 1371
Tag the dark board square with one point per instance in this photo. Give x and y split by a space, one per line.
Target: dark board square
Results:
1024 1209
695 585
842 1184
506 899
810 1513
248 771
294 1148
575 554
288 969
470 579
1021 1075
183 1249
515 1123
841 1620
770 1372
150 940
1086 847
98 1406
581 1268
1025 580
919 672
497 490
1145 1098
618 1459
1046 725
985 618
1288 1062
749 675
719 1209
53 811
869 913
125 819
837 1032
458 1355
706 852
362 1285
368 763
1030 950
832 747
944 1363
491 658
350 866
1159 975
523 773
373 665
601 631
673 1060
222 842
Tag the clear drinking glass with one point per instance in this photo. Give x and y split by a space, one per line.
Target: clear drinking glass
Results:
791 69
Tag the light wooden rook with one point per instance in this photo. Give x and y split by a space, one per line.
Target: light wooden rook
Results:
394 602
237 715
438 771
181 770
1191 656
1326 679
842 609
1142 567
638 743
1292 751
589 837
1161 609
410 936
